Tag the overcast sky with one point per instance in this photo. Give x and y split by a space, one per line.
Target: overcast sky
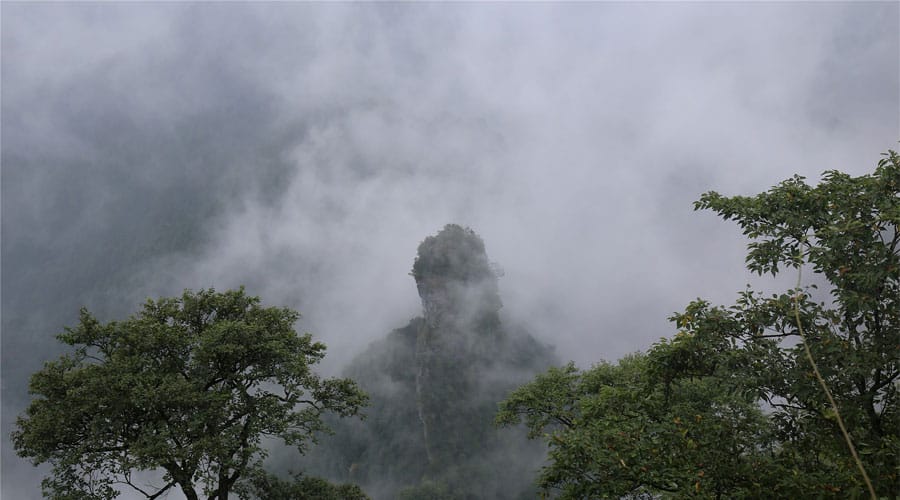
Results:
304 150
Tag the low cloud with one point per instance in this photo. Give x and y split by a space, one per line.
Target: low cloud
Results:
304 150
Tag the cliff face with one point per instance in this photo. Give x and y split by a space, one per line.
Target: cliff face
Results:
455 342
435 384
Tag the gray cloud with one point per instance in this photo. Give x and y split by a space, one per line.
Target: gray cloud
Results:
306 149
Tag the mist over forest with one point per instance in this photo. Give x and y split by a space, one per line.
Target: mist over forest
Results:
305 151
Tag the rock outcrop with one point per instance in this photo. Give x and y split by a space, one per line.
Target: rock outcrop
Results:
434 387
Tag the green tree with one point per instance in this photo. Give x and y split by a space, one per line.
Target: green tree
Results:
727 363
846 231
615 431
260 484
186 389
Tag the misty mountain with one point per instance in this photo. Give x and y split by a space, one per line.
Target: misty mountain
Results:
434 386
304 149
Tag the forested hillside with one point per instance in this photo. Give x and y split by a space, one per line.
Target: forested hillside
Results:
434 386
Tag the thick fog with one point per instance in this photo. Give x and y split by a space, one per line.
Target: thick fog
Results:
304 151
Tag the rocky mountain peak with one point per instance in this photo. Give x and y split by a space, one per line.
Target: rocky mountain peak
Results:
456 282
435 384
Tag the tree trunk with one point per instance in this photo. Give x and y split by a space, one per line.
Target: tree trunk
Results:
189 492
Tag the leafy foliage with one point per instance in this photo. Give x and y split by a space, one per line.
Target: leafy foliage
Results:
696 398
615 432
427 490
269 487
846 229
187 388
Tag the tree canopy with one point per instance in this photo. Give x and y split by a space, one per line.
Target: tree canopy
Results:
730 406
613 432
185 391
